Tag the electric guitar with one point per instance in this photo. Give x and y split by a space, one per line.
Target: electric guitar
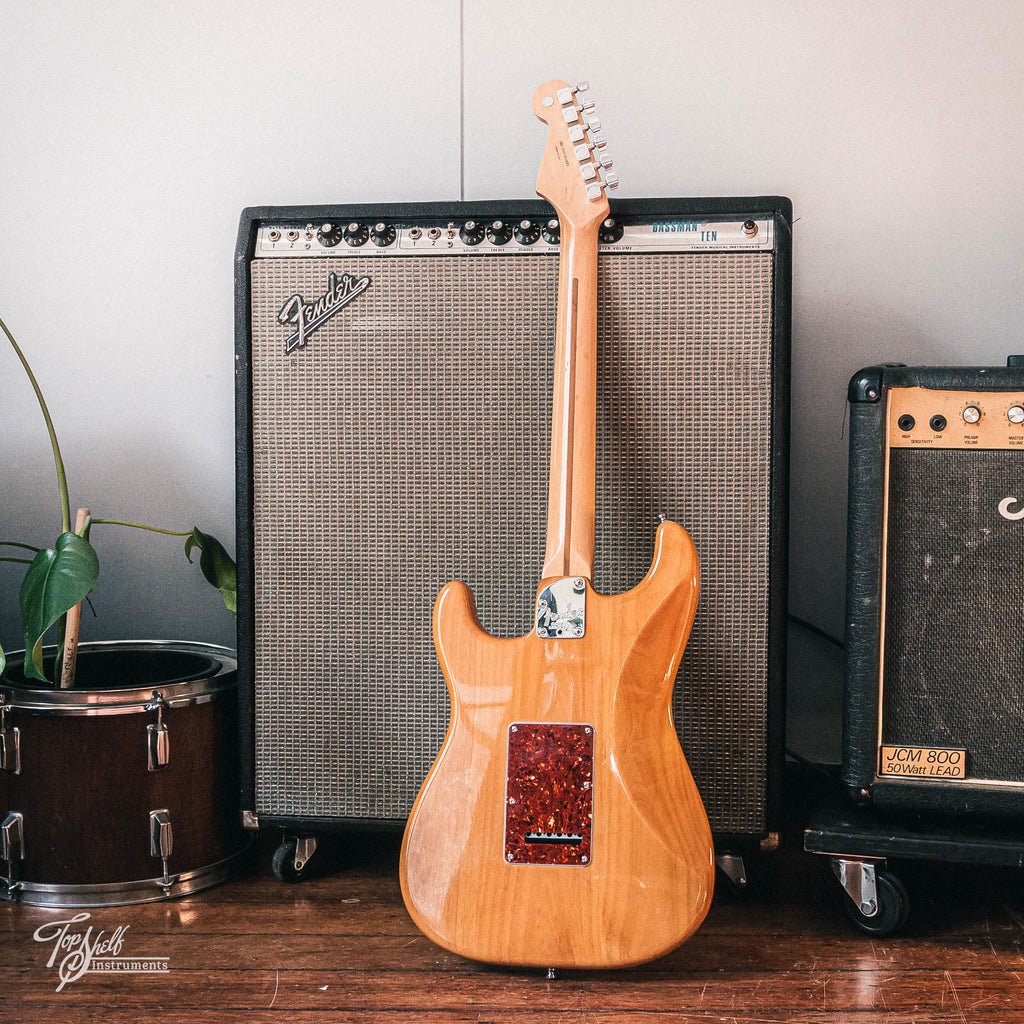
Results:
560 825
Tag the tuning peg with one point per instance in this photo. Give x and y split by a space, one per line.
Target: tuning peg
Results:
576 133
605 159
583 86
597 140
594 191
588 171
593 123
609 178
565 96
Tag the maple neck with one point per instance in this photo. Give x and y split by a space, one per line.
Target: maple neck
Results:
571 488
573 177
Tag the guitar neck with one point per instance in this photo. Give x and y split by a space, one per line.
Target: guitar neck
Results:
573 177
570 533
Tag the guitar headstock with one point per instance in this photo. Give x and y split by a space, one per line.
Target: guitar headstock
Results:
575 171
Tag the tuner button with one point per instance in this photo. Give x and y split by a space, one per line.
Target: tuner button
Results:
498 232
526 232
1015 414
472 232
971 414
356 234
382 234
329 234
551 231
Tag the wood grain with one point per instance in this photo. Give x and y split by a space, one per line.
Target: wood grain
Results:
571 489
340 947
650 881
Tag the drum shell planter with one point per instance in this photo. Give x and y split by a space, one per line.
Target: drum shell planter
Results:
82 768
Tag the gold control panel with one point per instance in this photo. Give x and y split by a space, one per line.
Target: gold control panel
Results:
926 418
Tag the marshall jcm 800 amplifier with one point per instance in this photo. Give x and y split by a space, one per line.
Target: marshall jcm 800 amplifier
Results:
394 398
935 591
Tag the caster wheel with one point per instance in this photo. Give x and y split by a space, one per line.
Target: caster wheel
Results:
291 858
893 907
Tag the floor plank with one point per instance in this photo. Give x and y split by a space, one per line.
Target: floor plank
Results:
340 947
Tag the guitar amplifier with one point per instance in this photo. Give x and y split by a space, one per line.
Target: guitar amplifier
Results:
394 387
935 591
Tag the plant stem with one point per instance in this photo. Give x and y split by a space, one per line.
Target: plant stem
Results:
139 526
62 480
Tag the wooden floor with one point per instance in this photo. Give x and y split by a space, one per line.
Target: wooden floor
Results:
340 947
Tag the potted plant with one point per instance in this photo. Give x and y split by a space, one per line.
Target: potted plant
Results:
118 760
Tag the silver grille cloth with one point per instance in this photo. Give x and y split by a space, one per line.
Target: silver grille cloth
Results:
407 445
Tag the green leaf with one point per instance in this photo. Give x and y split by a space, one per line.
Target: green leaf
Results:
217 566
58 578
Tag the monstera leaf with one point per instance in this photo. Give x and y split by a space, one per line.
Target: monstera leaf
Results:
216 564
57 579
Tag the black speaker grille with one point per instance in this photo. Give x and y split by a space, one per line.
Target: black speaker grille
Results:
407 444
953 673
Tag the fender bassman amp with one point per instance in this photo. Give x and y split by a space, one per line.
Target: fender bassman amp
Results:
394 368
935 589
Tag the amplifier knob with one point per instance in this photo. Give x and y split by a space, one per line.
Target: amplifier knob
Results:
610 230
356 234
472 232
329 234
972 414
526 232
498 232
1015 414
551 231
382 234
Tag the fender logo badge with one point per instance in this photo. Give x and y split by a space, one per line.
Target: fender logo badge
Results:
306 317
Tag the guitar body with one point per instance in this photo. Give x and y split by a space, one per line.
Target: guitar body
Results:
591 852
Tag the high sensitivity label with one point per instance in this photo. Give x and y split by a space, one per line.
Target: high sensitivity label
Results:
923 762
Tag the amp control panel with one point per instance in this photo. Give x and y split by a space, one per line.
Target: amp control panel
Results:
927 418
493 235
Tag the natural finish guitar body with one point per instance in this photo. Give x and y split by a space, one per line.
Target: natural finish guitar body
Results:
648 881
560 825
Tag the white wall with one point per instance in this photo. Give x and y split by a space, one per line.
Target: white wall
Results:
132 133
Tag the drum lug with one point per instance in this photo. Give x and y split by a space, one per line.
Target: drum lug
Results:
10 744
12 846
159 746
161 843
158 739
